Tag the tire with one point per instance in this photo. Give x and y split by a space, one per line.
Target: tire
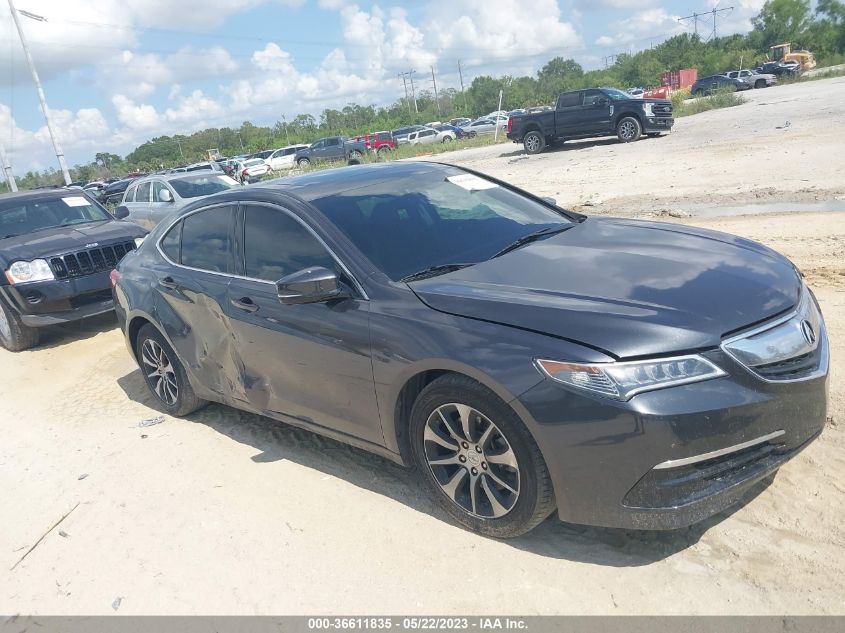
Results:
760 83
355 155
14 335
303 162
513 493
629 129
534 142
446 139
154 356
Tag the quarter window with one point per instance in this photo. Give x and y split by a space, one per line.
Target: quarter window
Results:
130 194
207 240
275 245
171 241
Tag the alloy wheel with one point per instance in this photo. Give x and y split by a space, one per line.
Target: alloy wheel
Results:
532 143
159 371
627 130
472 461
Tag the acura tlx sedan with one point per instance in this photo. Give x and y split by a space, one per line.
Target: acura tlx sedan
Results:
524 358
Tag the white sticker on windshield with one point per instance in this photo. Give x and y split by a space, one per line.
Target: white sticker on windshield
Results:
471 182
76 201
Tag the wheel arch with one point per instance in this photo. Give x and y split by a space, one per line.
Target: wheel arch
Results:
629 113
411 385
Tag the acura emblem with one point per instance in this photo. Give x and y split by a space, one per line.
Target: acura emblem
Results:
807 331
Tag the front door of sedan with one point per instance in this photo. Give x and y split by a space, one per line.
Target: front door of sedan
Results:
310 361
139 207
163 202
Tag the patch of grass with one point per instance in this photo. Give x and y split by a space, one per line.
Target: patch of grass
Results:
818 73
721 99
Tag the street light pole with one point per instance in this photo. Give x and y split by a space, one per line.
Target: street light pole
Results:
7 170
59 153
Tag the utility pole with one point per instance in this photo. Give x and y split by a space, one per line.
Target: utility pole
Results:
405 83
59 153
461 75
436 100
285 124
715 13
413 93
7 170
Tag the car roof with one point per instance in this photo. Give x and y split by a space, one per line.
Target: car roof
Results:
330 182
182 175
40 194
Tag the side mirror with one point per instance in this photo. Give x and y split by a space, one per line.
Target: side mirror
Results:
603 102
312 285
165 195
121 213
549 200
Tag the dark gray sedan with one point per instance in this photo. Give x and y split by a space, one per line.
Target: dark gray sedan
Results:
524 358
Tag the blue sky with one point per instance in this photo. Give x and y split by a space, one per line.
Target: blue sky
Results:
119 72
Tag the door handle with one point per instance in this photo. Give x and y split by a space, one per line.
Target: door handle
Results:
167 282
244 303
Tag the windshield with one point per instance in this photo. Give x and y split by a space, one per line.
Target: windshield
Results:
205 185
253 162
616 95
22 216
412 224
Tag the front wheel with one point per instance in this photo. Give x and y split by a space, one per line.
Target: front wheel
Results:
446 139
164 374
534 143
14 335
629 129
479 462
303 162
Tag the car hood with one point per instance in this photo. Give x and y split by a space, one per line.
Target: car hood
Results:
66 239
625 287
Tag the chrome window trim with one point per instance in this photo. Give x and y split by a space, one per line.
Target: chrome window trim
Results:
694 459
334 256
822 343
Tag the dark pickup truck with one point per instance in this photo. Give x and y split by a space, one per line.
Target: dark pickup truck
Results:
590 113
57 250
333 148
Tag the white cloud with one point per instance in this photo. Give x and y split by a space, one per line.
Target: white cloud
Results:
637 31
134 116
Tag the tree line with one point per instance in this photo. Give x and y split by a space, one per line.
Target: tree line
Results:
821 31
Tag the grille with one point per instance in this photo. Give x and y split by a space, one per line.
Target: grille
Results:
791 368
661 109
89 261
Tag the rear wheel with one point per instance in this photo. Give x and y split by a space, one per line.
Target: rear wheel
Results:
164 374
14 335
629 129
446 139
534 143
303 162
355 154
478 460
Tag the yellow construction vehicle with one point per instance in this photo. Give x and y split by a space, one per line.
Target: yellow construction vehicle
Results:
784 53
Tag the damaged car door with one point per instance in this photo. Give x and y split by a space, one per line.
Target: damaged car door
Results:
309 361
190 292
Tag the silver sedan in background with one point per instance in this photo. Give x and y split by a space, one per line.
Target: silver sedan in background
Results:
149 200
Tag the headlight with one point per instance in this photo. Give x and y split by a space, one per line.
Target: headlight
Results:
647 109
24 272
139 241
623 380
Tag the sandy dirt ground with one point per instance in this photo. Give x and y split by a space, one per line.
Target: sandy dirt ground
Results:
784 145
230 513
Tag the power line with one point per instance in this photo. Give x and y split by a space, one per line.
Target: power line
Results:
714 12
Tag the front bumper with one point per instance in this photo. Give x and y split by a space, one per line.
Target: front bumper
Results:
46 303
657 124
622 464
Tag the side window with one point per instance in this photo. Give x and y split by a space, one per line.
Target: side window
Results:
276 245
318 144
143 192
569 99
332 142
171 241
207 240
130 194
428 133
158 187
592 97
